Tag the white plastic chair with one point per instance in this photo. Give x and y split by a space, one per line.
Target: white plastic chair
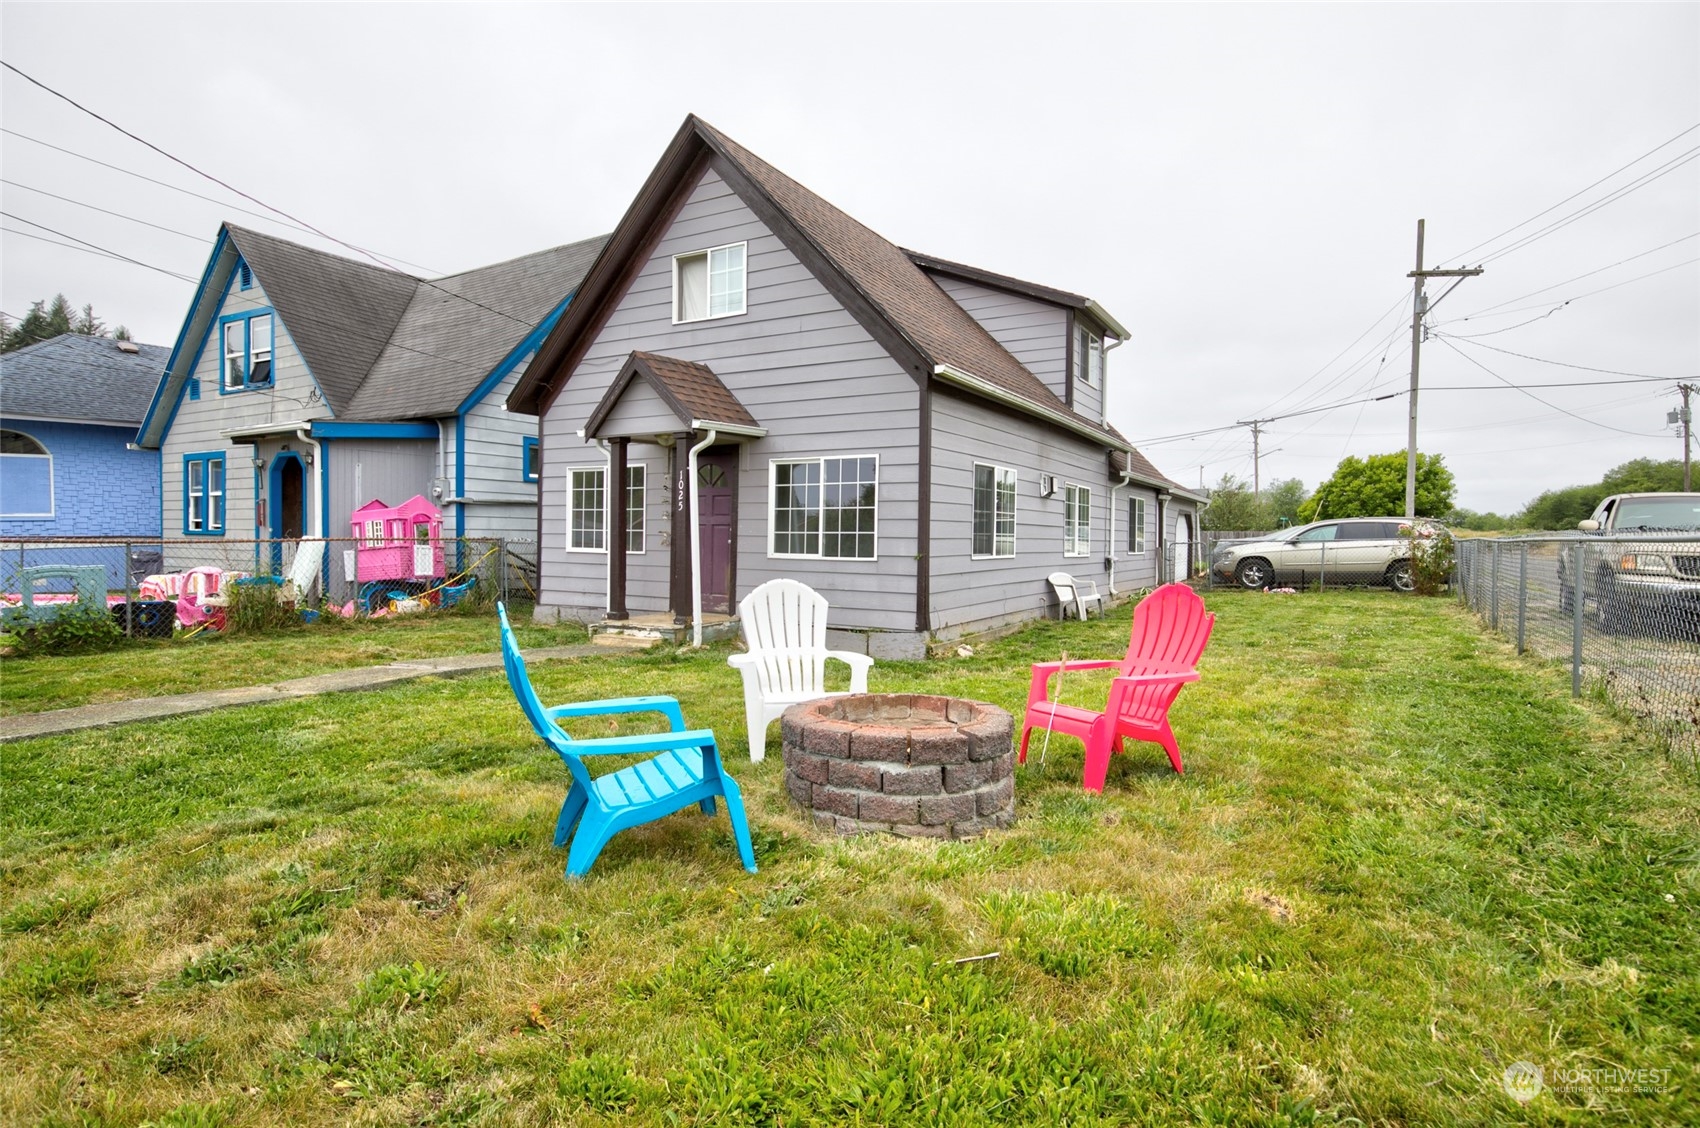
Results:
784 625
1081 593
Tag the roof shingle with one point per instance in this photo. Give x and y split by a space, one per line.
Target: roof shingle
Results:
73 377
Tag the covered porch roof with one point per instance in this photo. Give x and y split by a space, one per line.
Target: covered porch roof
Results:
657 395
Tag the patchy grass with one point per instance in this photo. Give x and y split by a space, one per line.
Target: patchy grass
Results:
1401 860
153 668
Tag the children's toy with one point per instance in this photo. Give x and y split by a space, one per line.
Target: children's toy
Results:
36 605
396 547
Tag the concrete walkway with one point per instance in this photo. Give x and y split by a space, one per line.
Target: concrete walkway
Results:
26 726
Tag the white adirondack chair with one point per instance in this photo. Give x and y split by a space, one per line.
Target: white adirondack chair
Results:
1081 593
784 625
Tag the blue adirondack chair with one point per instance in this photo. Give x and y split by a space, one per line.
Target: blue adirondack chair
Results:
687 770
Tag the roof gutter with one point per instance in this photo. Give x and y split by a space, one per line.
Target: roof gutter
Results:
243 434
1116 328
729 428
1009 399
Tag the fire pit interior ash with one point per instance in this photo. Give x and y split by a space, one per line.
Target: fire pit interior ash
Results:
912 764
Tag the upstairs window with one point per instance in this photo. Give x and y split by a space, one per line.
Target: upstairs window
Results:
709 284
994 511
203 494
824 507
1088 356
1136 524
247 351
1077 521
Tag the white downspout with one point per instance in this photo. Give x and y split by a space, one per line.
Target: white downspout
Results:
323 514
1127 479
1104 400
1163 542
696 540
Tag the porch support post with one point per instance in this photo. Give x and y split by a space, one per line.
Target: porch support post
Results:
617 530
679 587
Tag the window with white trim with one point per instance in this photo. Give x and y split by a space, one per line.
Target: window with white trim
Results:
994 511
26 476
635 496
824 507
1136 524
1088 356
247 349
708 284
1077 520
586 510
203 494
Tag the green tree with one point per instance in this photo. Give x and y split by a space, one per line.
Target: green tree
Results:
1561 509
48 319
1233 507
1375 487
1282 500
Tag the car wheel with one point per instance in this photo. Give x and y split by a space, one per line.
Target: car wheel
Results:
1254 572
1399 576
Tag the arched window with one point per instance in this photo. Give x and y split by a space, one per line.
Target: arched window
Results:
26 476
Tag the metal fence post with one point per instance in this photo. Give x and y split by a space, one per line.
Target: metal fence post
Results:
1493 598
129 603
1522 596
502 565
1322 568
1576 621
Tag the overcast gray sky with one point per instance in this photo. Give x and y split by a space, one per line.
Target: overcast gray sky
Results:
1239 185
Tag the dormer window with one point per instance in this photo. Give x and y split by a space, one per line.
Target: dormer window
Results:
1088 357
709 284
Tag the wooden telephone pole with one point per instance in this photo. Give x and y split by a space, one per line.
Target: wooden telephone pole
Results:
1686 390
1419 307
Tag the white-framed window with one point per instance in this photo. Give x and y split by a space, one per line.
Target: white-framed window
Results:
203 494
26 476
994 511
247 351
1077 520
586 510
708 284
1136 525
635 497
1088 356
824 507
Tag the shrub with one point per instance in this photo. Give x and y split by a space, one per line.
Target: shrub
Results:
73 629
1432 560
256 608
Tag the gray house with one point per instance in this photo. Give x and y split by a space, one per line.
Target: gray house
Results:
304 385
779 391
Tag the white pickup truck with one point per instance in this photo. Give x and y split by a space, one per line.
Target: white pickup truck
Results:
1646 564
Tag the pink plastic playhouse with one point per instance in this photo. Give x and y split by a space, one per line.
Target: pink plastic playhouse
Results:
402 542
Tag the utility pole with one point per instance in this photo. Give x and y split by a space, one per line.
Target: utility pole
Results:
1419 307
1256 459
1686 390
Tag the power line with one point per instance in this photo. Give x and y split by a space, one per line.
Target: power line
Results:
1573 195
254 199
1657 174
1566 301
222 205
1538 399
1562 364
1589 274
91 247
104 211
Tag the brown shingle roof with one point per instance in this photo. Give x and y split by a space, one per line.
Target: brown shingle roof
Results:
692 390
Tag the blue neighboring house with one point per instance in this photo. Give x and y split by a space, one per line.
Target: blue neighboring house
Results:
68 412
304 385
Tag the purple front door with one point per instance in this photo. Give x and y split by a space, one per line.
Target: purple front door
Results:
717 516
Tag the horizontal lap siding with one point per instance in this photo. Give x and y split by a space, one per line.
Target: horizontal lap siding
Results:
504 504
803 367
387 470
1035 333
970 594
196 429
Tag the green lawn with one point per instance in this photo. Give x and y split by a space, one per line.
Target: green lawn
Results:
1401 860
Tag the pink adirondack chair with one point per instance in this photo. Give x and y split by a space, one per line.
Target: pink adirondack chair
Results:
1170 630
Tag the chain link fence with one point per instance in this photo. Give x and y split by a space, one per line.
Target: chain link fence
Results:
1624 612
472 567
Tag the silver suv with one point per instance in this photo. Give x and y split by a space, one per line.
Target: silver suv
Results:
1352 550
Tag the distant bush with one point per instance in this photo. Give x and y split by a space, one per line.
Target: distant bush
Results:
1432 561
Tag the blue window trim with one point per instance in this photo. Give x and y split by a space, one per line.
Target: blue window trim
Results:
526 473
246 317
206 458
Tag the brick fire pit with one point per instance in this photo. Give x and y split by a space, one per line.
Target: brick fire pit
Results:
911 764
